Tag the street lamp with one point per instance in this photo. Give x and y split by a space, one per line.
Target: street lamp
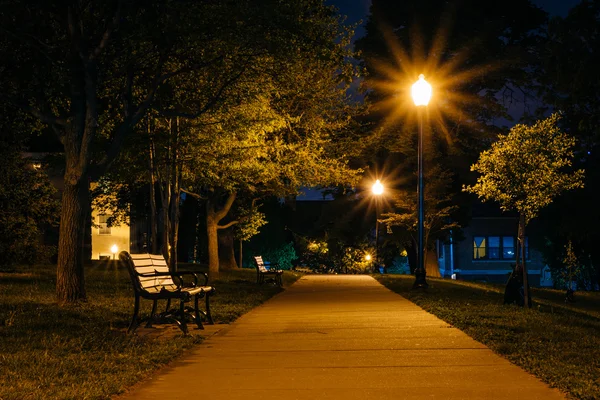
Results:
421 93
377 191
114 250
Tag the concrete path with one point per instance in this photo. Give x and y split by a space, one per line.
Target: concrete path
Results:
341 337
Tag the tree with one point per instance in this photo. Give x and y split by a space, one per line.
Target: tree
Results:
571 269
28 205
91 70
439 211
524 171
259 152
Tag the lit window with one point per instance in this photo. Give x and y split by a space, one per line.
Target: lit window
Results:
479 247
103 228
496 248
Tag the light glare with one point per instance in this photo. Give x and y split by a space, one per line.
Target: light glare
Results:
377 188
421 91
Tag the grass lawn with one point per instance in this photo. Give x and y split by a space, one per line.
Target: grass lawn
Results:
82 351
558 343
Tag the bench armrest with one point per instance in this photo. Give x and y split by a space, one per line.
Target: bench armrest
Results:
179 274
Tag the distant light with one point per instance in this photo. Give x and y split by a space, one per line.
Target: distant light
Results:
377 188
38 165
368 257
114 249
421 91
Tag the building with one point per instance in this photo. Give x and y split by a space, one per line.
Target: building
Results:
487 251
108 241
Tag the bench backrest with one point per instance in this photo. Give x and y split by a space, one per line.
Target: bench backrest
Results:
260 264
148 264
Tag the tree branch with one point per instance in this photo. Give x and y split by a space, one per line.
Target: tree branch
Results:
228 225
47 118
226 207
194 195
107 33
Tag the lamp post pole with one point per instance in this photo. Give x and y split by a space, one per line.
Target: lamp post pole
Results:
376 234
377 191
421 92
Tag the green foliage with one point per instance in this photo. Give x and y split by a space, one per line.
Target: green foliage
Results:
250 222
28 205
527 168
284 255
314 254
353 261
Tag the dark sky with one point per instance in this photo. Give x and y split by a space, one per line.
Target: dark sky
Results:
359 9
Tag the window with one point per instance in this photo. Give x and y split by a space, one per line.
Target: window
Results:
508 247
496 248
479 248
103 228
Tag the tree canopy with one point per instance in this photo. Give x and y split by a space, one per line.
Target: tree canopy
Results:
527 168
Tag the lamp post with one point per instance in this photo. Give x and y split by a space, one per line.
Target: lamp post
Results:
421 93
377 191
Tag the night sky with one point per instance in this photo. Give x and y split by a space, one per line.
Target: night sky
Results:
359 9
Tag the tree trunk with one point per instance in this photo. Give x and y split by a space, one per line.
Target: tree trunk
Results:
213 216
213 241
521 241
174 225
166 223
70 282
432 267
411 252
226 249
517 288
153 211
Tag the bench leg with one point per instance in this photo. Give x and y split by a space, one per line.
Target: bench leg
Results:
279 281
149 323
181 322
208 314
136 309
197 313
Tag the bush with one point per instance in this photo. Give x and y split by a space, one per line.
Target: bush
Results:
283 255
353 261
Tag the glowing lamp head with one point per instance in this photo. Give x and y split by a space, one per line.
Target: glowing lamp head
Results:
421 91
368 257
377 188
114 249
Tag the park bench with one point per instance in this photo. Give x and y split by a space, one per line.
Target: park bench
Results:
152 280
265 269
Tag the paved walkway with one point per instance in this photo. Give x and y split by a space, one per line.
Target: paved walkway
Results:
341 337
